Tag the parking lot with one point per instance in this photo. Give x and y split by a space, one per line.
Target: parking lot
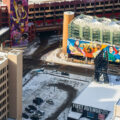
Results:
54 88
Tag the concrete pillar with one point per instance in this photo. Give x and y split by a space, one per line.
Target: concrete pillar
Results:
15 64
68 17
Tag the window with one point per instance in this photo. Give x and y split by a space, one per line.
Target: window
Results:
62 6
71 6
31 9
67 6
52 8
57 7
42 8
7 76
47 8
37 9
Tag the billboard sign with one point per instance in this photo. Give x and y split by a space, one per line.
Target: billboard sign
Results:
91 49
19 22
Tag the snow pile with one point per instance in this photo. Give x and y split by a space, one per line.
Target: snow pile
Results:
53 39
52 57
31 49
3 57
114 79
4 30
14 52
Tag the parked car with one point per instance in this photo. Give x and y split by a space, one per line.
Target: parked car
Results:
32 107
38 101
50 101
24 115
35 117
40 112
29 110
65 73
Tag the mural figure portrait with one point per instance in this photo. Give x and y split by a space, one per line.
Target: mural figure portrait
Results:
91 50
19 21
111 53
117 56
76 49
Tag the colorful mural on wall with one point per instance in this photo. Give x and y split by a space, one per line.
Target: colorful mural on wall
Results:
91 50
113 53
19 22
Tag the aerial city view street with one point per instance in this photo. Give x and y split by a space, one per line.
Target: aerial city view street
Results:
59 59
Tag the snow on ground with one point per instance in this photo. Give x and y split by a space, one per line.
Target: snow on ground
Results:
4 30
114 79
34 46
54 38
52 57
31 49
56 74
38 87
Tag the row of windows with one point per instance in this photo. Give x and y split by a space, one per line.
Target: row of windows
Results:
48 18
71 6
3 87
3 103
4 117
3 78
3 95
77 10
2 112
3 70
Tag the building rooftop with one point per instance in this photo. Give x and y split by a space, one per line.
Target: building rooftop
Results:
10 119
49 1
96 22
2 4
101 96
116 118
14 52
118 103
4 54
74 115
3 30
3 57
45 1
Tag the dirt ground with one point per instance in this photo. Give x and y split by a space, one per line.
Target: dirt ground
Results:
71 95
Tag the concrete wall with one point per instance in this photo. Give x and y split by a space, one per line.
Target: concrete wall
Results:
15 62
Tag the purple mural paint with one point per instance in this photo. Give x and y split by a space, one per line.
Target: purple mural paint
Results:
19 22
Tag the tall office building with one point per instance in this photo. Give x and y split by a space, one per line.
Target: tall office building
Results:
11 85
